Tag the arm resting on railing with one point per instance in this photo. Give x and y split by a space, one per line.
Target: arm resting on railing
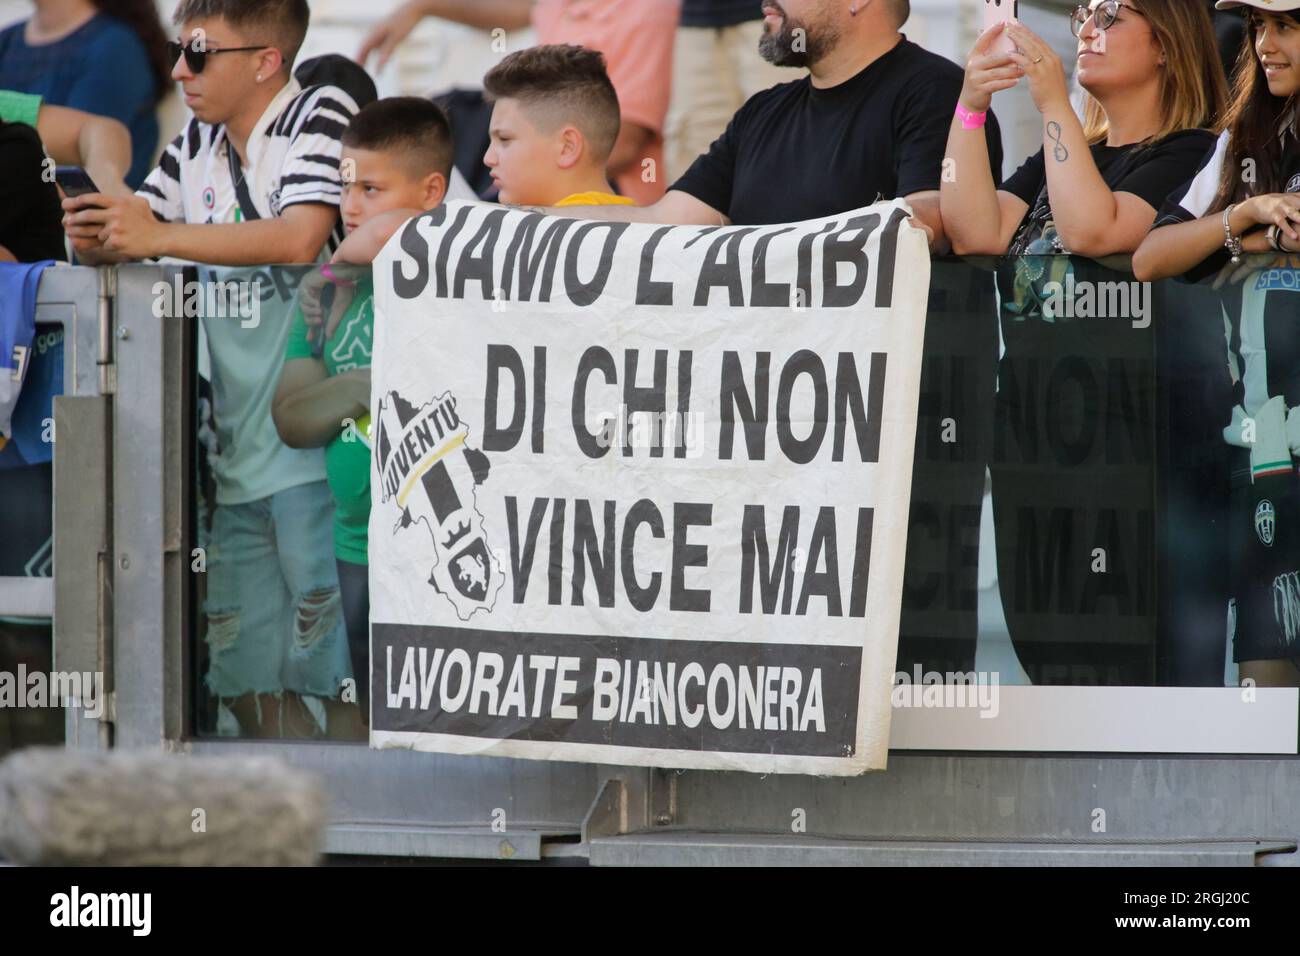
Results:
311 406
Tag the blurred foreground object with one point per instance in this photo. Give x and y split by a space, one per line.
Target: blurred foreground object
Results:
133 808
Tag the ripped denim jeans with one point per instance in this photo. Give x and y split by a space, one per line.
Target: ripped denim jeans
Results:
274 615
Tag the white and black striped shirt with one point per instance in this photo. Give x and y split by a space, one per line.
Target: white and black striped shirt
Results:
1259 310
292 158
1195 198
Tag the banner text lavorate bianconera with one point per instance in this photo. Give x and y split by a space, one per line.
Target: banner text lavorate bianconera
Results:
641 492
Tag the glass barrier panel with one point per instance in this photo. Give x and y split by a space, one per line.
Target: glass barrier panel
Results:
1103 491
275 619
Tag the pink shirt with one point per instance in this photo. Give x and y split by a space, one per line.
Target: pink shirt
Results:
637 40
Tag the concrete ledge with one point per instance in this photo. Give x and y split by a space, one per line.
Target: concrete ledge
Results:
680 848
398 840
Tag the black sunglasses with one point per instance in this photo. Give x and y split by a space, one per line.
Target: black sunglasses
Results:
1106 13
197 59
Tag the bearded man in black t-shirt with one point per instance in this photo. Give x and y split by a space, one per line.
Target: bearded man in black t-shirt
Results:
869 122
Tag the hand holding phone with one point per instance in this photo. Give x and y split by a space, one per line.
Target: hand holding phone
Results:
324 296
74 181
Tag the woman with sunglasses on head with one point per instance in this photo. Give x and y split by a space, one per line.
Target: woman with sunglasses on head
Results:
1154 88
1246 199
1070 484
104 57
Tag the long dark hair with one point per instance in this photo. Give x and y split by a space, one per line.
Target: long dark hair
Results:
1254 122
142 17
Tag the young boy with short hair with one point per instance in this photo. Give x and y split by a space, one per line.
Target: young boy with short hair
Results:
555 118
397 154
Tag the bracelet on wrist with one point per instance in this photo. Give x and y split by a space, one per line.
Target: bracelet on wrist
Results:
971 119
1230 242
327 270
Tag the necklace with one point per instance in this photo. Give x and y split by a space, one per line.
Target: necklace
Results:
236 177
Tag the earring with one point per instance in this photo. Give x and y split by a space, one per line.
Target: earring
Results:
259 77
853 8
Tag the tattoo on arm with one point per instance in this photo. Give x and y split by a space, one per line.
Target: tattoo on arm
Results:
1059 152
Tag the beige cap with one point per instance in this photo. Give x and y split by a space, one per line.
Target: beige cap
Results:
1271 6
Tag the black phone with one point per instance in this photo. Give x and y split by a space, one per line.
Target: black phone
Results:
74 181
327 295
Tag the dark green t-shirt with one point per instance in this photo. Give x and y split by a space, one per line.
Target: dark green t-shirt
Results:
347 456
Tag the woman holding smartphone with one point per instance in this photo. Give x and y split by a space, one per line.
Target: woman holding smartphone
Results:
1151 71
1071 461
1246 199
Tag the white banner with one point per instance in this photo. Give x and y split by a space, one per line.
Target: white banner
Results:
640 493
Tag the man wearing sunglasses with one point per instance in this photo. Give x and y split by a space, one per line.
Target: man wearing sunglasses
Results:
253 179
254 176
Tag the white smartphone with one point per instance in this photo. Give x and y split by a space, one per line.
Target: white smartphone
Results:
1001 11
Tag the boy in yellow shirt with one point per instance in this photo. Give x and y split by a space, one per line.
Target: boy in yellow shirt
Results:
555 118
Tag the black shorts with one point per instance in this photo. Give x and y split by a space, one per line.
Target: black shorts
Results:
1264 563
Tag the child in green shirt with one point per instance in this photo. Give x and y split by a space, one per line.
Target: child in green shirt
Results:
397 156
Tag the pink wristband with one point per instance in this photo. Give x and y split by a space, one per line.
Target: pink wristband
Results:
327 270
970 119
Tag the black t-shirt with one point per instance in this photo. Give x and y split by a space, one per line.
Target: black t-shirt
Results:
1151 173
719 13
30 215
796 152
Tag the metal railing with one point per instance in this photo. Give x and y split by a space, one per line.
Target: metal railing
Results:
124 603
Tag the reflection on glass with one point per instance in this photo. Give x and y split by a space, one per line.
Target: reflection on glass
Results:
27 540
1081 514
275 658
1083 509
